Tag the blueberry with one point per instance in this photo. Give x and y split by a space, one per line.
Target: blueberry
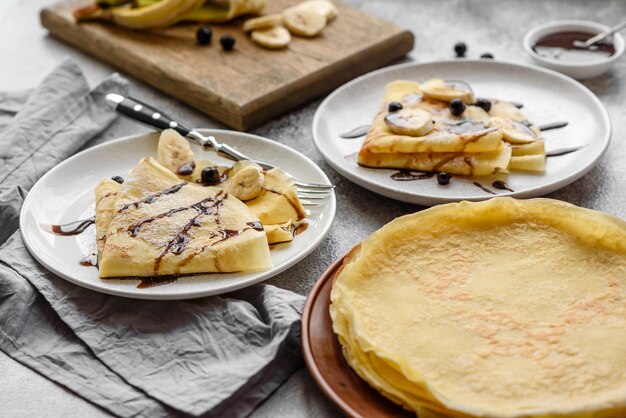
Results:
210 176
117 179
484 103
487 56
227 42
443 178
204 35
457 107
394 106
460 48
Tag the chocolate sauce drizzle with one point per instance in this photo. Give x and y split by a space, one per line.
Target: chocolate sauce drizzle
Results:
563 151
410 175
133 229
178 244
72 228
477 184
153 197
147 282
499 184
229 233
356 132
208 206
90 260
553 125
467 126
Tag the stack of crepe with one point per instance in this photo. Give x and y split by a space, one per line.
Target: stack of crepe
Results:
162 220
424 135
502 308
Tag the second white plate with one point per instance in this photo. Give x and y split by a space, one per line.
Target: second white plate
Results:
66 194
547 97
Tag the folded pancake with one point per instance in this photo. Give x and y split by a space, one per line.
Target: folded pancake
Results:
462 135
276 205
466 133
162 226
279 201
423 131
502 308
478 164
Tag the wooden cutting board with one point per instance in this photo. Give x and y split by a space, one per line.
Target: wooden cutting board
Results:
249 85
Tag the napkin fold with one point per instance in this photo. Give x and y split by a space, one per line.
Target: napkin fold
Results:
210 357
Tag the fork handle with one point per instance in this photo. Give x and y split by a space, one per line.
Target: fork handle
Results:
144 113
149 115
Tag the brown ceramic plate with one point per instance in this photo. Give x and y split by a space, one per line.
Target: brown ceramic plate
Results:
323 357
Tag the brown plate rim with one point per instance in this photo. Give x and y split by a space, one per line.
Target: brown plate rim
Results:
376 404
307 351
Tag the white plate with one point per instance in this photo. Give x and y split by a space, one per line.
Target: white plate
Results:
66 194
547 97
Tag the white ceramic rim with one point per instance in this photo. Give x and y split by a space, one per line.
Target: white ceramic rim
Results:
557 25
407 197
331 202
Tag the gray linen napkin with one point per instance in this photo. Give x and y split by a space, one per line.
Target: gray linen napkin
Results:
217 356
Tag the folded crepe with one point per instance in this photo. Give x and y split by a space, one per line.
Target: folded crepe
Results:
276 203
424 135
156 224
477 164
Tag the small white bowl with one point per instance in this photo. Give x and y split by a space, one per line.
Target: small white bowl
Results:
581 70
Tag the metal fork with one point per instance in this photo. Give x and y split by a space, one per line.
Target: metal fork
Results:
144 113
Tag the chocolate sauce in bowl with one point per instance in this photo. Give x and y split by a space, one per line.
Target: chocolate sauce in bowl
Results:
561 46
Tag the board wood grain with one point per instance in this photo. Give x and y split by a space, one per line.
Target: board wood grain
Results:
249 85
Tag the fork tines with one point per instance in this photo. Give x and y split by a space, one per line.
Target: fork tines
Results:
310 196
320 186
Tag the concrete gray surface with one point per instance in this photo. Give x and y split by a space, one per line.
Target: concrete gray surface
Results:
495 26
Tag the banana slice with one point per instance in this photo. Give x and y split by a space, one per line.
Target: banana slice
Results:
502 109
411 122
263 22
323 7
175 154
448 90
272 38
246 181
514 131
303 21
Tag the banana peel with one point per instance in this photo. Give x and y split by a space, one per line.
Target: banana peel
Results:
158 15
111 3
